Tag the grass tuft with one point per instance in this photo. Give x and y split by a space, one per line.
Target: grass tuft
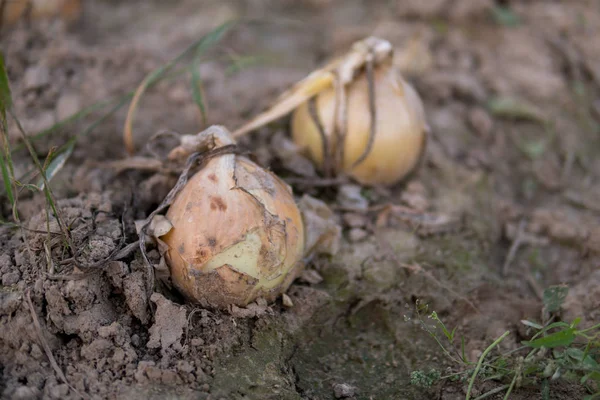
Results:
6 163
556 350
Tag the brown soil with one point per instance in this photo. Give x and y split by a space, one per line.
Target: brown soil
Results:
351 332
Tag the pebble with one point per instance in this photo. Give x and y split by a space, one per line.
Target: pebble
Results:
67 105
481 122
355 220
357 234
350 196
311 276
25 392
36 77
343 390
59 391
287 301
415 196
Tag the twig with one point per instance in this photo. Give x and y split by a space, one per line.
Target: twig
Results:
189 322
44 343
317 182
47 189
492 392
514 247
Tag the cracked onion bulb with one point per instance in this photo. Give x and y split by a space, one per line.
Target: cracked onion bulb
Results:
237 234
400 128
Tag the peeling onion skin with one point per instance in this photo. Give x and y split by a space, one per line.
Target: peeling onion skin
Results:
237 235
400 128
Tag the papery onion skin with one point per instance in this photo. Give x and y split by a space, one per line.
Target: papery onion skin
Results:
237 235
400 128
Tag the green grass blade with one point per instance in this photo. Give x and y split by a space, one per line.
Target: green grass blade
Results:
531 324
556 339
512 108
480 362
242 62
197 88
47 191
5 96
7 179
553 325
6 164
199 47
55 162
72 118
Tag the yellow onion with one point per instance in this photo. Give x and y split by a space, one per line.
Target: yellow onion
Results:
237 234
400 128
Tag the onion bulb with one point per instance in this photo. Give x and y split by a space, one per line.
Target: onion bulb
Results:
236 235
399 130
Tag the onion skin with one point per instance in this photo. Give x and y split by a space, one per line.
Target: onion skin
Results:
400 128
237 235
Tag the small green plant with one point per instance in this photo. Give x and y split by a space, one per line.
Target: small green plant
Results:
556 350
424 379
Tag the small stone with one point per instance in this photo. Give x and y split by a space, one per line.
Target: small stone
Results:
197 342
343 390
36 77
350 196
10 278
67 105
357 234
287 301
481 122
36 352
135 340
25 393
415 196
59 391
311 276
355 220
